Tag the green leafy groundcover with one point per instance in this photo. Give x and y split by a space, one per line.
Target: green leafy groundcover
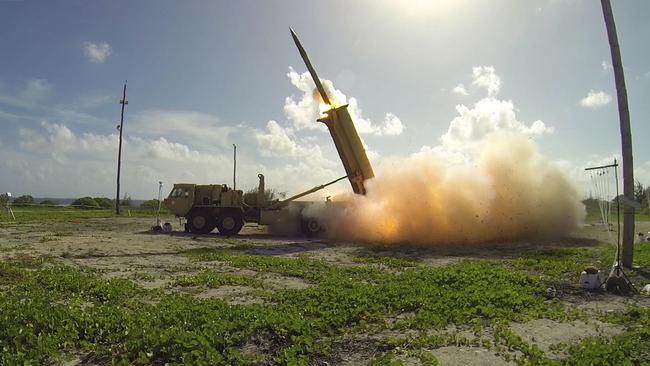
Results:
53 310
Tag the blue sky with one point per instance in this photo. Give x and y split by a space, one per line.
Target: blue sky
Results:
205 74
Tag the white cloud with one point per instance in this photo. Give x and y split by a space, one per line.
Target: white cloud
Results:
57 140
279 142
392 125
97 52
606 66
486 77
460 90
33 96
194 128
56 160
475 125
488 116
276 141
304 112
95 99
34 91
595 99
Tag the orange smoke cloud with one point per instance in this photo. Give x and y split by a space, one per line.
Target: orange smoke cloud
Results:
507 191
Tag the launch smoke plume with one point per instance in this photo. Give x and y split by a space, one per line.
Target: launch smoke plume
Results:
484 181
506 191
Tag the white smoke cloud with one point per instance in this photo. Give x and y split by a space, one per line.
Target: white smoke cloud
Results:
507 191
486 181
595 99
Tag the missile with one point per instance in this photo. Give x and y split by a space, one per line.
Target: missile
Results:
312 72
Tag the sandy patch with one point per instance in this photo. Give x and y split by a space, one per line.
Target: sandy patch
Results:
234 295
468 356
545 333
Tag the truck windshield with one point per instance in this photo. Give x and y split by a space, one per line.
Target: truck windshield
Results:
180 192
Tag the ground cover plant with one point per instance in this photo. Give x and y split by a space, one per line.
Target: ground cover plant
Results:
389 305
50 311
36 213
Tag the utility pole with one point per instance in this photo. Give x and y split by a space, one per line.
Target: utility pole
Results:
234 166
120 127
626 134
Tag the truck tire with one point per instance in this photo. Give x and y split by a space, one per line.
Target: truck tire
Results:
230 223
200 222
310 226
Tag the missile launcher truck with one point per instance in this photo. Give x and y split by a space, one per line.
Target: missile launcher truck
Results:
217 205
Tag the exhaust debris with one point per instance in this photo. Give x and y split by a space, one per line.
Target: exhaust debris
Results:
506 190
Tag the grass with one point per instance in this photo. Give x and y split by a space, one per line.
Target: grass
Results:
215 279
31 214
593 212
49 310
387 261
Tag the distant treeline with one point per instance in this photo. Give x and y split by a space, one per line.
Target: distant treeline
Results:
85 202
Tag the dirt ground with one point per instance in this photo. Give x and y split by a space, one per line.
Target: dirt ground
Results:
124 247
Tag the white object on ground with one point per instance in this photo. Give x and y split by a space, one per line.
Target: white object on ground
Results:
590 281
646 289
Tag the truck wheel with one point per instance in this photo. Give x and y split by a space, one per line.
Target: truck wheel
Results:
200 223
310 226
229 223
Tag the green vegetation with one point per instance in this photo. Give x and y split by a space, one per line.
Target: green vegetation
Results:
46 213
93 203
104 202
85 203
152 206
629 348
51 310
23 200
49 202
593 211
387 260
400 306
126 201
216 279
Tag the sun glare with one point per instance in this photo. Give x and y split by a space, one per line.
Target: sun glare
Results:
427 8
